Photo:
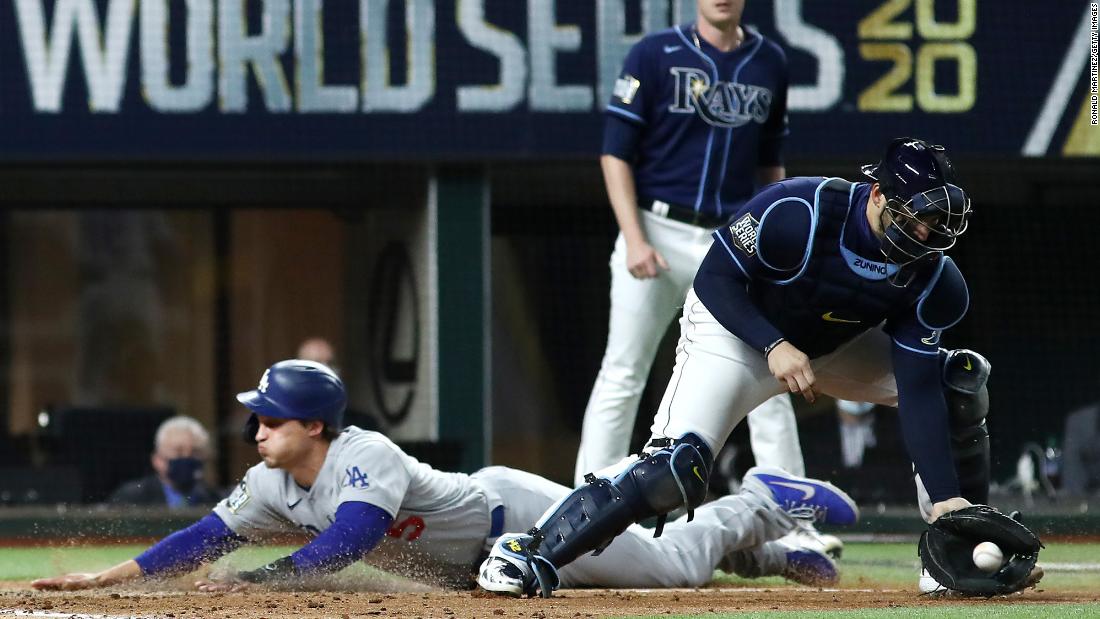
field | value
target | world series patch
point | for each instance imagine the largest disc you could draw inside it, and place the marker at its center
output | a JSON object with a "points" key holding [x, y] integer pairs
{"points": [[743, 232], [238, 499], [625, 88]]}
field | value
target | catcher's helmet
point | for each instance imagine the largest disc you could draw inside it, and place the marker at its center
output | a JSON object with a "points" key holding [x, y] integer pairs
{"points": [[297, 389], [922, 200]]}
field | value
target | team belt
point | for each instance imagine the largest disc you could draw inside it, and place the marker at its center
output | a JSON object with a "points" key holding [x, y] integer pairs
{"points": [[684, 214]]}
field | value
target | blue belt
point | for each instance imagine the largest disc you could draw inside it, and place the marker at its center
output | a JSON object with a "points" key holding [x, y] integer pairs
{"points": [[496, 521]]}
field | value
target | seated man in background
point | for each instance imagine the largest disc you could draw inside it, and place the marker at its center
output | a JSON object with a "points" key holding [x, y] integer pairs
{"points": [[179, 455], [320, 350], [357, 495]]}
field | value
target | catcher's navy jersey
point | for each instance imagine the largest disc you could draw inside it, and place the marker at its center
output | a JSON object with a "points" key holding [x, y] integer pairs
{"points": [[856, 291], [708, 117]]}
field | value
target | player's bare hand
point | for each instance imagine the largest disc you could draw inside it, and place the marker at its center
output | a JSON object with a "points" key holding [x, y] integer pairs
{"points": [[949, 505], [644, 261], [68, 582], [792, 368], [221, 586]]}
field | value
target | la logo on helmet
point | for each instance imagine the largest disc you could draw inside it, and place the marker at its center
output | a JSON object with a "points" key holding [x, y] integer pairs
{"points": [[263, 381]]}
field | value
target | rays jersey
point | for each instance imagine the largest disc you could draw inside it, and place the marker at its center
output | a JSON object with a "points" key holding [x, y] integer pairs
{"points": [[441, 520], [708, 117]]}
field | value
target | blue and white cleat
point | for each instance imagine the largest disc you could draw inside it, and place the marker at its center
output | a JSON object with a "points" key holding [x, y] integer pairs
{"points": [[806, 498], [513, 569], [808, 566]]}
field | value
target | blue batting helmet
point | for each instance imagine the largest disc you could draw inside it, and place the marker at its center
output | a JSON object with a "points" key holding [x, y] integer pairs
{"points": [[297, 389]]}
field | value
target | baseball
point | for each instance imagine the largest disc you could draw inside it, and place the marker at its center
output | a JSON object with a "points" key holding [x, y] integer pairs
{"points": [[988, 557]]}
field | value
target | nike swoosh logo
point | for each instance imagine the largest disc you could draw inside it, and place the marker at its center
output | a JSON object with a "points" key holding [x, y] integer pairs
{"points": [[671, 48], [967, 365], [807, 489], [294, 504], [828, 317], [695, 470]]}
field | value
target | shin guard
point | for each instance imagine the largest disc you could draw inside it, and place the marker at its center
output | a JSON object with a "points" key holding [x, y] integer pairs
{"points": [[673, 474]]}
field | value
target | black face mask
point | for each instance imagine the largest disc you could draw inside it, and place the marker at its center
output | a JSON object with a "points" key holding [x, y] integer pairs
{"points": [[184, 473]]}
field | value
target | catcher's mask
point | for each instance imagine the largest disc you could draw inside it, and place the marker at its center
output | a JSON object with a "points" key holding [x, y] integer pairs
{"points": [[925, 212]]}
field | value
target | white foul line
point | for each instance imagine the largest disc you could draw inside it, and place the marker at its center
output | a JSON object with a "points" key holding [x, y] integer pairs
{"points": [[1038, 141], [16, 612]]}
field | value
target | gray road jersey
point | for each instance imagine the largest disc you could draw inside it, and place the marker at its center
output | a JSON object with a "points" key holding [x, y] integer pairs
{"points": [[440, 521]]}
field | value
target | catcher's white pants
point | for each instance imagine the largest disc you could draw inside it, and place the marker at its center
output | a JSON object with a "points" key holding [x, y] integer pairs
{"points": [[718, 378], [641, 310], [685, 555]]}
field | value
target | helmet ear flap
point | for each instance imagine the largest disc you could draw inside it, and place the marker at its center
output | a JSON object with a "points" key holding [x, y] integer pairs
{"points": [[251, 427]]}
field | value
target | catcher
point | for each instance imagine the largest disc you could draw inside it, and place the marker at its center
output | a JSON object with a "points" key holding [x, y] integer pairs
{"points": [[819, 285], [358, 495]]}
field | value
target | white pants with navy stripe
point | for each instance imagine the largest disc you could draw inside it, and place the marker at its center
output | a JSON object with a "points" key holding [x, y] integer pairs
{"points": [[718, 378], [641, 310]]}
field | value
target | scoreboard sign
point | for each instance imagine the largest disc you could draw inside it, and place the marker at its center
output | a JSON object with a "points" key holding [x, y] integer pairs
{"points": [[482, 79]]}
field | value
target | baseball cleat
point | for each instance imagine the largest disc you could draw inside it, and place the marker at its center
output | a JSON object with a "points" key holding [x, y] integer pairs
{"points": [[805, 535], [809, 499], [511, 570], [504, 577], [809, 566], [932, 588]]}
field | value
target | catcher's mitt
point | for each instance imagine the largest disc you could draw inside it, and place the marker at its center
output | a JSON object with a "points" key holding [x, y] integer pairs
{"points": [[946, 551]]}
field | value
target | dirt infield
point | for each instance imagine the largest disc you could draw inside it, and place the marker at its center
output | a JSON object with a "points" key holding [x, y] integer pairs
{"points": [[452, 605]]}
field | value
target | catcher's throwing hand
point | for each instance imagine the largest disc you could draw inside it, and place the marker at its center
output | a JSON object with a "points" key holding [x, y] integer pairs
{"points": [[68, 582], [791, 367], [949, 505], [946, 551]]}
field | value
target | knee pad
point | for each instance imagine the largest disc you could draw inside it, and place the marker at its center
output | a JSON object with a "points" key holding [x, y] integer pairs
{"points": [[965, 374], [674, 473]]}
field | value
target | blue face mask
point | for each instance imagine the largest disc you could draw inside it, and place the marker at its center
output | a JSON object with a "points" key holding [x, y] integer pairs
{"points": [[184, 473]]}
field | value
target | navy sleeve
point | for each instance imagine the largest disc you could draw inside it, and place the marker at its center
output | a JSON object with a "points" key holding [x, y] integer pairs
{"points": [[775, 129], [620, 138], [722, 282], [357, 529], [924, 422], [908, 333], [629, 98], [723, 288], [185, 550]]}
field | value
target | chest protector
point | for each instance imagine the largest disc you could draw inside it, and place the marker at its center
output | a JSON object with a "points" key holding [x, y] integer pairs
{"points": [[825, 301]]}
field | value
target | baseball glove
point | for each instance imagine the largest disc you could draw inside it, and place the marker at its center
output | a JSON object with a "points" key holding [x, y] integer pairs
{"points": [[946, 551]]}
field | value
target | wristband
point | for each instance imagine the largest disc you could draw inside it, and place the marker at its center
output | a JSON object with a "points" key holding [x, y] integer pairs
{"points": [[770, 347], [281, 569]]}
